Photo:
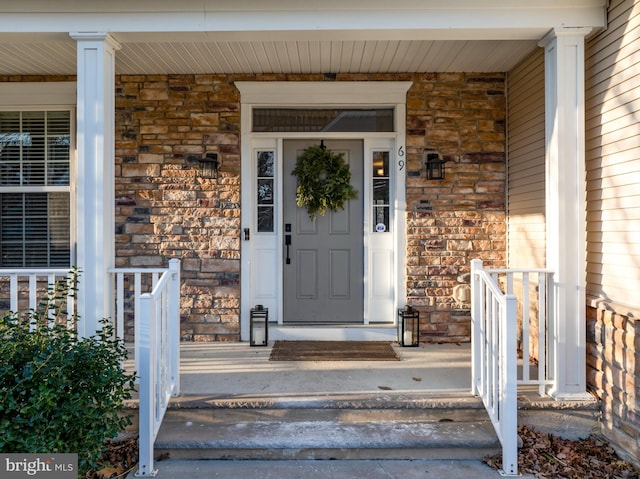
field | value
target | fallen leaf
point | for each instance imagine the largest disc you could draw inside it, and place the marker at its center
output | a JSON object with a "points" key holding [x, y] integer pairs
{"points": [[547, 456], [109, 472], [163, 457]]}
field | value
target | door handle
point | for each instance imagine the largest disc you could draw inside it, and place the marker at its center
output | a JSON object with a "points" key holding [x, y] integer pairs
{"points": [[287, 242]]}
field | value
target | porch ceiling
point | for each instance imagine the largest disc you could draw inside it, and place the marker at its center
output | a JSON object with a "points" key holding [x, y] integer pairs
{"points": [[287, 36], [330, 55]]}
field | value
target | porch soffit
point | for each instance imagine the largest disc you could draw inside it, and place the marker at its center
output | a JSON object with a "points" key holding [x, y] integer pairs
{"points": [[289, 36]]}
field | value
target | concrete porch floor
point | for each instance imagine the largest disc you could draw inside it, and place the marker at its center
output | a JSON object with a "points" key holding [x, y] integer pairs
{"points": [[237, 369], [234, 387]]}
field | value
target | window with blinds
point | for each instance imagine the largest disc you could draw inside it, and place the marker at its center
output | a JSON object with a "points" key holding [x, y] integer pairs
{"points": [[35, 207]]}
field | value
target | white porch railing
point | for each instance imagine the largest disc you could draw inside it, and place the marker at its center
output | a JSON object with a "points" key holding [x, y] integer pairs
{"points": [[534, 315], [156, 317], [494, 360], [26, 287], [130, 285], [509, 305], [157, 331]]}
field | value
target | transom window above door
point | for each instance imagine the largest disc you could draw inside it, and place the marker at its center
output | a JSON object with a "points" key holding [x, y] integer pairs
{"points": [[270, 120]]}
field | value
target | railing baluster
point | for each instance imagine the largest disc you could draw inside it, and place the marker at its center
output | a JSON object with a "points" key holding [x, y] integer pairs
{"points": [[71, 302], [542, 332], [476, 328], [33, 296], [144, 353], [50, 289], [174, 323], [509, 401], [494, 345], [485, 342], [137, 291], [525, 328], [13, 291], [120, 305], [509, 280]]}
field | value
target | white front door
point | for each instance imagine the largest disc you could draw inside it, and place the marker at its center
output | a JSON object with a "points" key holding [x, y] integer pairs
{"points": [[323, 264]]}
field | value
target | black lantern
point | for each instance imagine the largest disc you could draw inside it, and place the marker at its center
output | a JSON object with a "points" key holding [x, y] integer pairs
{"points": [[259, 326], [435, 166], [408, 327], [209, 165]]}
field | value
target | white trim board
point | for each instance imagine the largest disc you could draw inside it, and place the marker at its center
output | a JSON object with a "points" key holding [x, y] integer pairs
{"points": [[331, 333], [323, 93], [37, 94]]}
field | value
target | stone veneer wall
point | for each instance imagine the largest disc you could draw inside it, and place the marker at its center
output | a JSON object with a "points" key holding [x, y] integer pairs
{"points": [[613, 374], [460, 116], [164, 209]]}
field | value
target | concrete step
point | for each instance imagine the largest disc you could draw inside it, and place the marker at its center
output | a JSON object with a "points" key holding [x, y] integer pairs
{"points": [[390, 426], [331, 428], [348, 469]]}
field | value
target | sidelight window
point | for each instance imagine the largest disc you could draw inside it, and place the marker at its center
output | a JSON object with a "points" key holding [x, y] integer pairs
{"points": [[381, 194], [266, 191]]}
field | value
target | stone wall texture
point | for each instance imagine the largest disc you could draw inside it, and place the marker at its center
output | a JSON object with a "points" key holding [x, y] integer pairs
{"points": [[613, 374], [164, 209], [461, 117]]}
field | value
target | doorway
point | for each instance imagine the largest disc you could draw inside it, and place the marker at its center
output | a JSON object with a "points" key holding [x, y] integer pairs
{"points": [[365, 277]]}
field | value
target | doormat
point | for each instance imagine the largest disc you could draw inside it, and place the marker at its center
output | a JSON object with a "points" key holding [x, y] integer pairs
{"points": [[333, 351]]}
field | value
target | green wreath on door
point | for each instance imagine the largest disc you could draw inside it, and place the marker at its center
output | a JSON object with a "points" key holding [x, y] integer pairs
{"points": [[324, 181]]}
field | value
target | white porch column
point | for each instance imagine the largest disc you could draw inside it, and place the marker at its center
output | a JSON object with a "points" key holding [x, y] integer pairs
{"points": [[95, 177], [565, 206]]}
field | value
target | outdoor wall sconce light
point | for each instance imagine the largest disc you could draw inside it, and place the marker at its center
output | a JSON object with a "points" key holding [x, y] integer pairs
{"points": [[259, 326], [209, 165], [408, 327], [434, 165]]}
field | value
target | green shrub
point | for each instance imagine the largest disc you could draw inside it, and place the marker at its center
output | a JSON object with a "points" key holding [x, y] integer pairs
{"points": [[60, 393]]}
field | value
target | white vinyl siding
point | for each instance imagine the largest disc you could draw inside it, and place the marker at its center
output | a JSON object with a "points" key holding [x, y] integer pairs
{"points": [[526, 164], [613, 159]]}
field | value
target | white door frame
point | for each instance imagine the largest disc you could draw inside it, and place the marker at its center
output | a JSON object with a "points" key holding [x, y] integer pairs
{"points": [[314, 94]]}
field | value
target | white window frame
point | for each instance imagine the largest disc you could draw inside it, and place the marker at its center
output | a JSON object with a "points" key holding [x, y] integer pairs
{"points": [[47, 96]]}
